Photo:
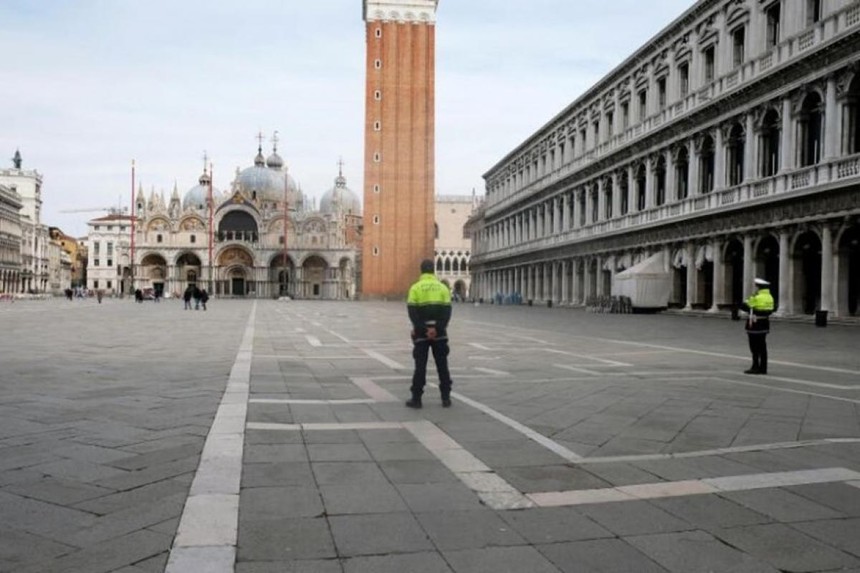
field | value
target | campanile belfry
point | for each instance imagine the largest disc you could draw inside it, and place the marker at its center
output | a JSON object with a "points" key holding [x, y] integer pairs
{"points": [[399, 187]]}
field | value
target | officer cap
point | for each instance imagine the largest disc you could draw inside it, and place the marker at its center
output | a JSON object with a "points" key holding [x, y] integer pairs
{"points": [[761, 282]]}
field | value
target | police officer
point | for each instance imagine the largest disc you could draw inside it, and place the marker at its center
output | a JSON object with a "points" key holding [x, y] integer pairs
{"points": [[759, 306], [429, 306]]}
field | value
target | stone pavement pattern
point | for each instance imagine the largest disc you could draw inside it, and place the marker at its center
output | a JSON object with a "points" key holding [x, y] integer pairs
{"points": [[577, 442]]}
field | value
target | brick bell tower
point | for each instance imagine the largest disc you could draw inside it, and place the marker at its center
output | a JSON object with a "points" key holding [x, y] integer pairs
{"points": [[399, 144]]}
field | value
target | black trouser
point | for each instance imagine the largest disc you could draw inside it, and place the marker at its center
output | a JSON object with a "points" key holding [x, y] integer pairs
{"points": [[420, 351], [758, 347]]}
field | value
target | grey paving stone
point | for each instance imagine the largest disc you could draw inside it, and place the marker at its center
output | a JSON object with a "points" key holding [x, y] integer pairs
{"points": [[106, 556], [710, 511], [619, 474], [781, 505], [506, 454], [786, 548], [78, 470], [499, 560], [285, 540], [310, 566], [455, 530], [279, 503], [696, 552], [633, 518], [41, 518], [338, 453], [140, 496], [417, 472], [398, 451], [273, 453], [556, 477], [58, 491], [127, 521], [361, 498], [438, 497], [348, 473], [599, 556], [838, 496], [338, 437], [553, 525], [20, 547], [255, 437], [135, 479], [155, 564], [378, 534], [412, 562], [159, 456], [277, 474], [843, 534]]}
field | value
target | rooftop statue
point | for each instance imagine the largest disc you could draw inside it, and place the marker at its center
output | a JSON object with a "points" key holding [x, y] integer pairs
{"points": [[16, 159]]}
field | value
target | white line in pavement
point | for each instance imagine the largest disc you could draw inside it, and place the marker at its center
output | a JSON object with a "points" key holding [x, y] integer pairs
{"points": [[567, 353], [722, 355], [296, 357], [789, 390], [525, 430], [313, 340], [808, 382], [493, 372], [209, 526], [720, 451], [332, 402], [384, 359], [480, 346], [575, 369], [692, 487], [374, 390]]}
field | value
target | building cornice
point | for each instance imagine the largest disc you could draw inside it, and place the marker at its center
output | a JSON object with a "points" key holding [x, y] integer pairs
{"points": [[414, 11]]}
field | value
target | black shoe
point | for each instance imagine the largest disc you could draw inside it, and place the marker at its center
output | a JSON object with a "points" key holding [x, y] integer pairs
{"points": [[446, 401], [414, 403], [752, 371], [762, 372]]}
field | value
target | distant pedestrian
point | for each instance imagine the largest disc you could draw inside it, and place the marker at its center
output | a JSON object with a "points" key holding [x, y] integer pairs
{"points": [[759, 306], [204, 298], [186, 296], [429, 306], [99, 295], [196, 294], [138, 295]]}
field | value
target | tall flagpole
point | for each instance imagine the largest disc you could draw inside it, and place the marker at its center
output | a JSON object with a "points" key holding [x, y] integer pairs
{"points": [[211, 207], [131, 262], [286, 211]]}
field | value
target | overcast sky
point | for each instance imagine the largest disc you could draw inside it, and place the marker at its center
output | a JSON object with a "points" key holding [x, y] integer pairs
{"points": [[88, 85]]}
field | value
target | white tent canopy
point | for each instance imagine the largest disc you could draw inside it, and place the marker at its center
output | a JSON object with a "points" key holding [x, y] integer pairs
{"points": [[647, 284]]}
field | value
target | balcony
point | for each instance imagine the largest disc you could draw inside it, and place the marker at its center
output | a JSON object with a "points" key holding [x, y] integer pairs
{"points": [[796, 181]]}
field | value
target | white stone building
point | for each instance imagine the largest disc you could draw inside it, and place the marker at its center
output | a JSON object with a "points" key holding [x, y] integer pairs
{"points": [[27, 184], [728, 147], [107, 244], [235, 244], [453, 245], [10, 241]]}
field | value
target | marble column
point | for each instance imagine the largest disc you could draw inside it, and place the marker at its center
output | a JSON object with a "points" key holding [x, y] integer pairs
{"points": [[719, 286], [692, 276], [786, 159], [785, 302], [826, 267], [748, 267], [719, 160], [565, 286], [831, 121]]}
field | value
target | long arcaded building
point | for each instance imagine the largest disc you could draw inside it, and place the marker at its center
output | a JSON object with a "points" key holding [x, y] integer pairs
{"points": [[727, 147]]}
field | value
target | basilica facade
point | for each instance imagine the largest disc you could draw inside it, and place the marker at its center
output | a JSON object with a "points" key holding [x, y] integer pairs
{"points": [[261, 238], [727, 148]]}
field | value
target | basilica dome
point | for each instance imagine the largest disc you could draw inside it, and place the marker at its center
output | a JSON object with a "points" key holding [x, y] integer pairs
{"points": [[197, 196], [349, 201], [264, 182]]}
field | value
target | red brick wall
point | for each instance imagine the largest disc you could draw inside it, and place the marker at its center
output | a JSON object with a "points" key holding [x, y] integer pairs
{"points": [[405, 142]]}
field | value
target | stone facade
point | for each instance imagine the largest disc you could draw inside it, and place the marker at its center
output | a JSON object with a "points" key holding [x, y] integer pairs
{"points": [[10, 241], [399, 183], [27, 183], [233, 243], [453, 244], [730, 144]]}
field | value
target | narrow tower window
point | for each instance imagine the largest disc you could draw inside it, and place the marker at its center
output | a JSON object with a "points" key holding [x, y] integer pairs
{"points": [[375, 251], [376, 188], [377, 126], [376, 157], [377, 95], [378, 32], [377, 64], [376, 219]]}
